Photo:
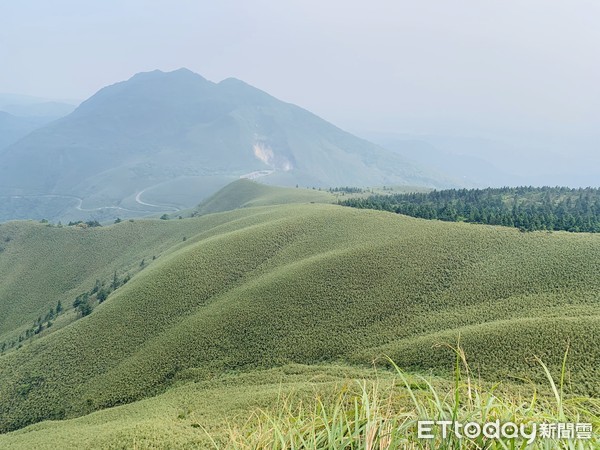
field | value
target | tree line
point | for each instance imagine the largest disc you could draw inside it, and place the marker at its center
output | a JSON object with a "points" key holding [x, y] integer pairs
{"points": [[527, 208]]}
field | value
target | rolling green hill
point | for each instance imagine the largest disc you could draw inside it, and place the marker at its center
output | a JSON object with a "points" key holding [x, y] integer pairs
{"points": [[263, 287], [245, 193], [42, 264]]}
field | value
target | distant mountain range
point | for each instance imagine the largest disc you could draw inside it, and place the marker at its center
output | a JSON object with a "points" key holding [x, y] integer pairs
{"points": [[29, 106], [162, 141], [21, 114]]}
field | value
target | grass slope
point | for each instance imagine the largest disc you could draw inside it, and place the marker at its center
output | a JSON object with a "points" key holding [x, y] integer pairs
{"points": [[299, 406], [261, 287], [174, 419], [40, 264], [245, 193]]}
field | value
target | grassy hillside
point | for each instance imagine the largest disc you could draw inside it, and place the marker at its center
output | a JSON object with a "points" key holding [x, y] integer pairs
{"points": [[42, 264], [262, 287], [245, 193], [175, 418], [299, 406]]}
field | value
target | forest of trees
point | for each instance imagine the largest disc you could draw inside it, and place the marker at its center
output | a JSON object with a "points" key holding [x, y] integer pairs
{"points": [[527, 208], [346, 189]]}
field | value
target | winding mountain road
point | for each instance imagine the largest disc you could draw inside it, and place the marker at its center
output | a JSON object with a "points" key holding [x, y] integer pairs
{"points": [[138, 199], [79, 205]]}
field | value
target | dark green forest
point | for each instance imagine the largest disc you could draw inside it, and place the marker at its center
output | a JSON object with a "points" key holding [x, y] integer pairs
{"points": [[526, 208]]}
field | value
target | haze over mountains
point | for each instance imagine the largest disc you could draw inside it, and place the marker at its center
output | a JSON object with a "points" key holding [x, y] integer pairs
{"points": [[28, 106], [163, 141], [547, 158], [13, 128], [21, 114], [160, 142]]}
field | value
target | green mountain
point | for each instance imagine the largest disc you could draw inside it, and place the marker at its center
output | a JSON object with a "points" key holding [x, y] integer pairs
{"points": [[163, 141], [263, 287]]}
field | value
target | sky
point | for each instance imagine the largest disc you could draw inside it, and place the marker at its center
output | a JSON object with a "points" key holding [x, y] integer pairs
{"points": [[509, 67]]}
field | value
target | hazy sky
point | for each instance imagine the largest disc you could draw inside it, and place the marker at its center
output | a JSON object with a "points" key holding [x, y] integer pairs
{"points": [[381, 65]]}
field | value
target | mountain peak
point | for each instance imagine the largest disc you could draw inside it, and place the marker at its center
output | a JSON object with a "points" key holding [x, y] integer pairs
{"points": [[181, 73], [148, 90], [232, 80]]}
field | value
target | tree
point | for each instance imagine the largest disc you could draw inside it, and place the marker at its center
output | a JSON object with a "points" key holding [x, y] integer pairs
{"points": [[102, 295], [50, 315], [115, 282], [97, 286], [85, 309], [82, 304]]}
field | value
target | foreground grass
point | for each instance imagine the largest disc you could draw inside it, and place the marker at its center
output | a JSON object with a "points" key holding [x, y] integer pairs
{"points": [[315, 407], [382, 415], [193, 414]]}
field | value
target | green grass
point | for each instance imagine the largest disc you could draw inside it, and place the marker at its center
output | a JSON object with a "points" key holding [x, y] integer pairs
{"points": [[320, 407], [245, 193], [263, 287], [382, 415], [40, 265], [189, 415]]}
